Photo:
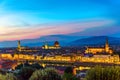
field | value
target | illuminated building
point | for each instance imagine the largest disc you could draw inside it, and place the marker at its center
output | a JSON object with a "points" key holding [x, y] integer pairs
{"points": [[67, 58], [95, 50], [22, 48], [55, 46], [19, 46]]}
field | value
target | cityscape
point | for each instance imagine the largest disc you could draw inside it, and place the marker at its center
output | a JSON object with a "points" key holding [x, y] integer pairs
{"points": [[59, 40]]}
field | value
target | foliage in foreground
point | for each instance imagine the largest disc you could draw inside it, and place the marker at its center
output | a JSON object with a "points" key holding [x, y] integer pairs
{"points": [[68, 74], [25, 73], [25, 70], [45, 74], [100, 73], [7, 76]]}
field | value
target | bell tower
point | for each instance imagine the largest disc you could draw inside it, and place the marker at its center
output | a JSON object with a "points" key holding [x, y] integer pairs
{"points": [[107, 45], [19, 46]]}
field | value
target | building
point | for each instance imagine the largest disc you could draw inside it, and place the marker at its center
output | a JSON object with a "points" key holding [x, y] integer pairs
{"points": [[20, 48], [95, 50], [76, 58], [55, 46], [25, 49]]}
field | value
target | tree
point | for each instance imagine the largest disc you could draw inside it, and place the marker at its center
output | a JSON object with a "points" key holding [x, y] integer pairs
{"points": [[10, 76], [2, 77], [68, 70], [36, 66], [2, 72], [26, 64], [100, 73], [46, 74], [7, 76], [25, 73], [68, 74], [19, 66], [52, 74]]}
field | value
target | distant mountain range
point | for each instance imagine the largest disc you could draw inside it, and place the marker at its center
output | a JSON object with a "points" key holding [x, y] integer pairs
{"points": [[50, 39], [65, 40], [94, 41]]}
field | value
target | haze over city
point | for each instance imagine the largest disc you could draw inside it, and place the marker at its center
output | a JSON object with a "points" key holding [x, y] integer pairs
{"points": [[36, 18]]}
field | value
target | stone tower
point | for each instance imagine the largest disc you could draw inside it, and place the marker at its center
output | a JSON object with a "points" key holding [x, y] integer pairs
{"points": [[107, 46], [19, 46]]}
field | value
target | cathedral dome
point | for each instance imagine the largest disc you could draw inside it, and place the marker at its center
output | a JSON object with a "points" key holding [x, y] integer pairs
{"points": [[56, 43]]}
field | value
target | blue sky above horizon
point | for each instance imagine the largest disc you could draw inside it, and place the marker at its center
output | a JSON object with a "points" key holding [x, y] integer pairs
{"points": [[24, 19]]}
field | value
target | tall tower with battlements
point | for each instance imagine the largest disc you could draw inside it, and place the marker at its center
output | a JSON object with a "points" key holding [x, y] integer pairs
{"points": [[19, 46], [107, 46]]}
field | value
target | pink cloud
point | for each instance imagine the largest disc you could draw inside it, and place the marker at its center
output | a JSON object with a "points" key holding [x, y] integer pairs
{"points": [[34, 31]]}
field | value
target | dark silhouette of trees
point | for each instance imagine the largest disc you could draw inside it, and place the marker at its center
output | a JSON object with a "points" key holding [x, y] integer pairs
{"points": [[36, 66], [25, 73], [26, 64], [68, 70], [68, 74], [25, 70]]}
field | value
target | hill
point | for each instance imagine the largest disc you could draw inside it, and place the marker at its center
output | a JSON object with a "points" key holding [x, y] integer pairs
{"points": [[96, 40], [63, 39]]}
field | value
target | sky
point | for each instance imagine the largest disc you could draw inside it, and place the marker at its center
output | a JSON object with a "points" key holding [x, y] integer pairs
{"points": [[28, 19]]}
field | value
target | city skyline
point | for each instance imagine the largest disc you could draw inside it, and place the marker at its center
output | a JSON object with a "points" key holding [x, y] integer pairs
{"points": [[23, 19]]}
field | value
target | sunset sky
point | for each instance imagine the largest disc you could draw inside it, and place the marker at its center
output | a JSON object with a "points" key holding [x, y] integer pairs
{"points": [[25, 19]]}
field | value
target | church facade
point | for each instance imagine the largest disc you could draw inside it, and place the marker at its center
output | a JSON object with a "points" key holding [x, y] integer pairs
{"points": [[95, 50]]}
